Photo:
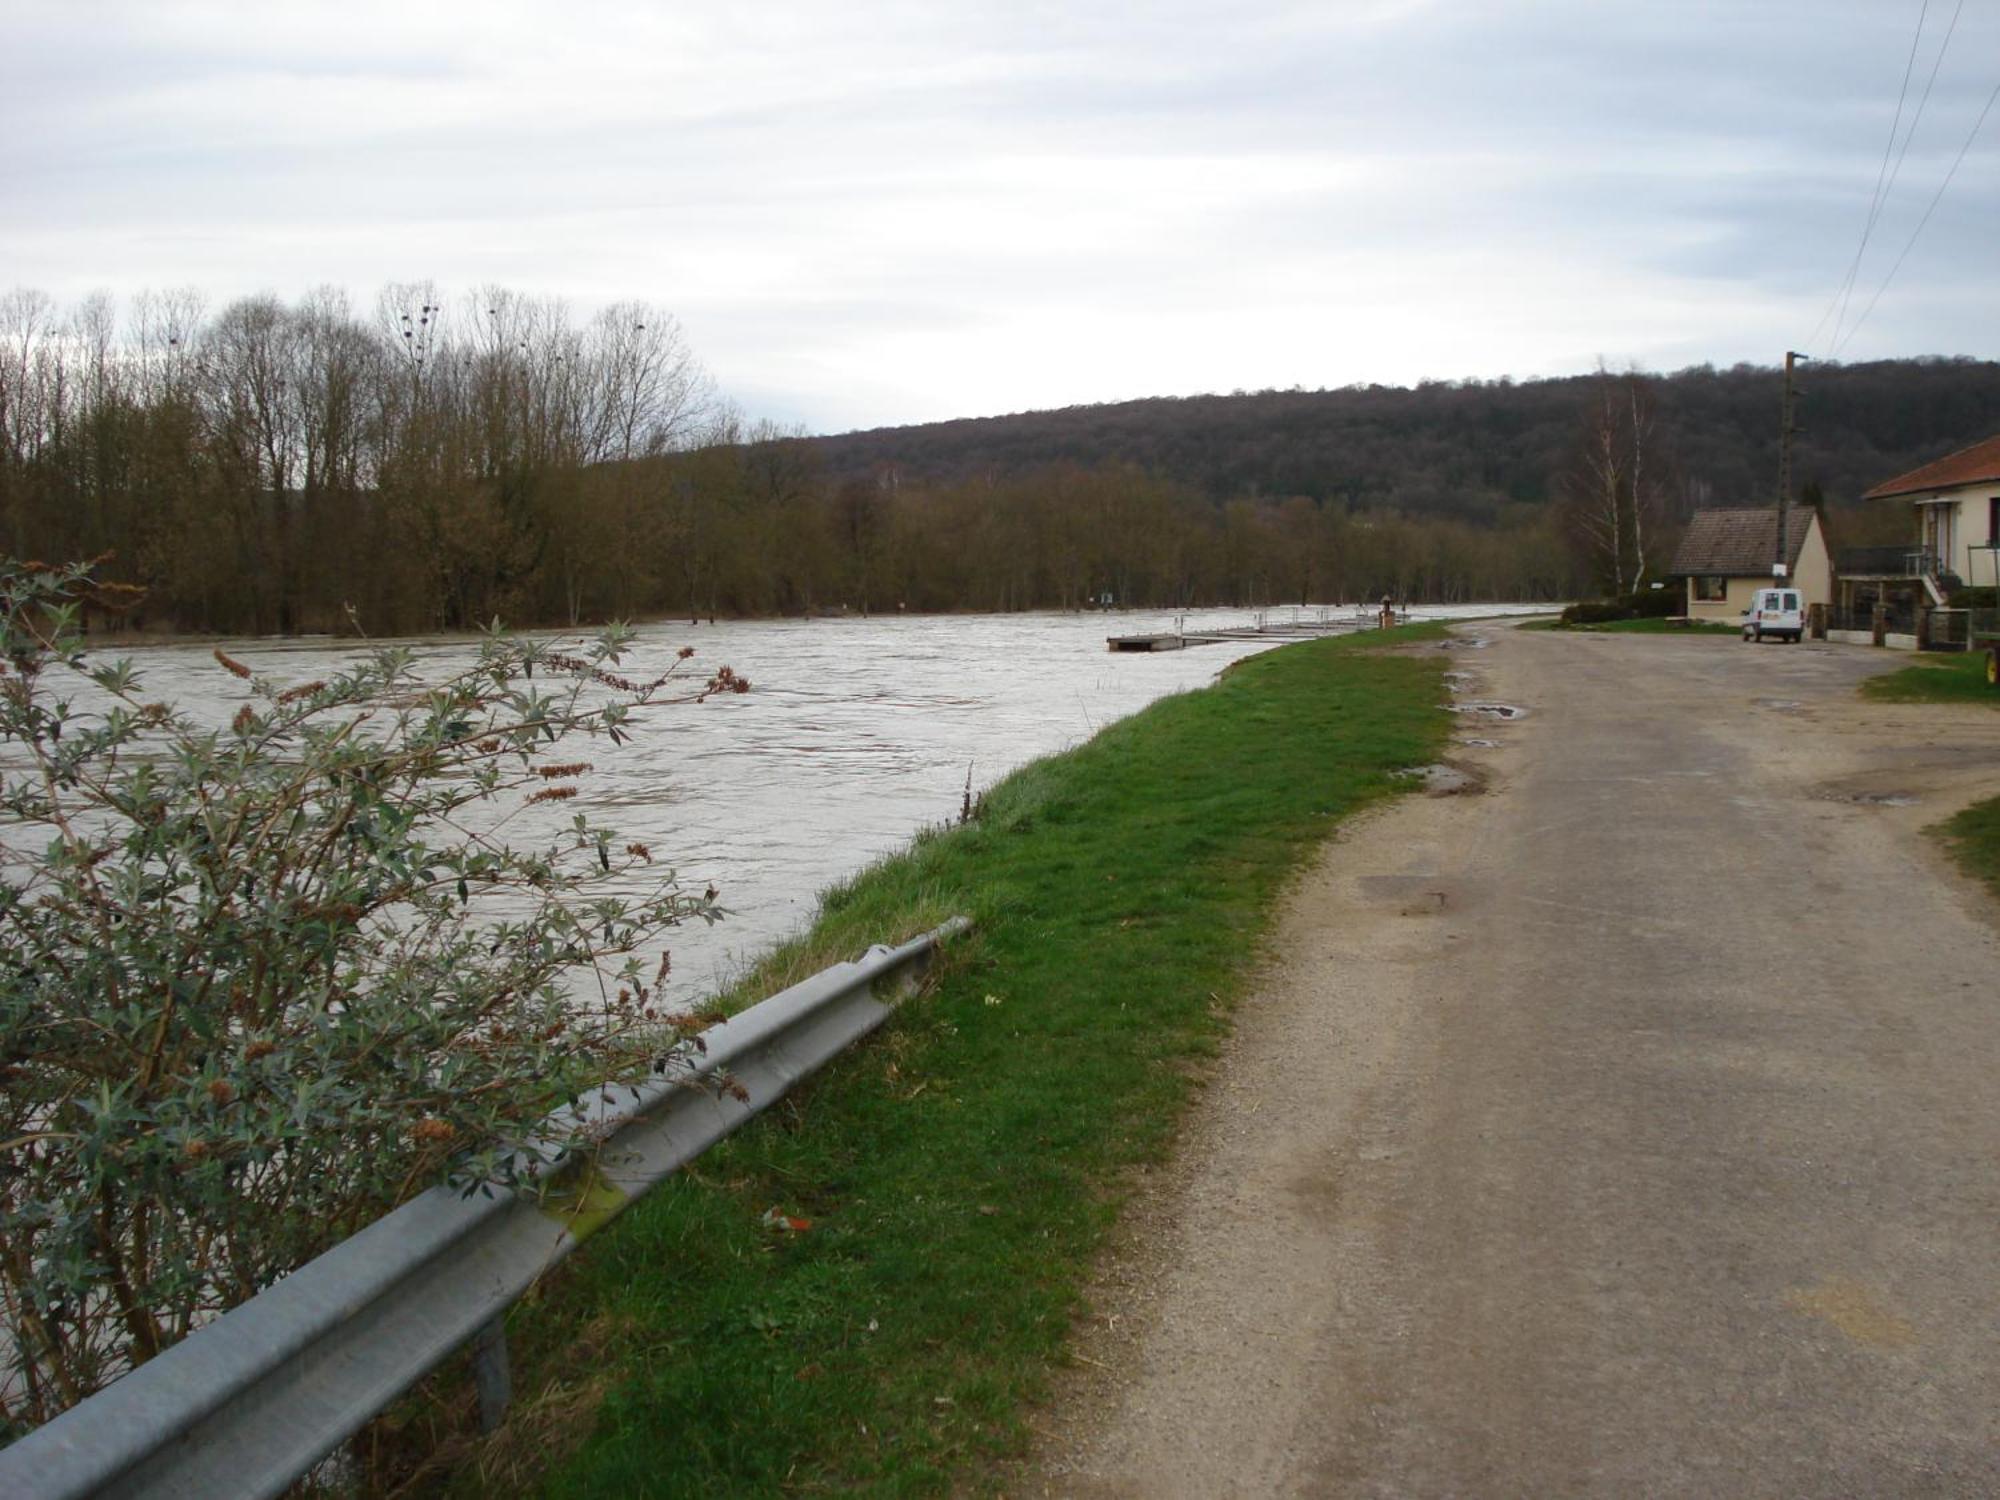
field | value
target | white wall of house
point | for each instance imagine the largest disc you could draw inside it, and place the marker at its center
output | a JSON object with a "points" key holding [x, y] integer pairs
{"points": [[1955, 521], [1815, 575]]}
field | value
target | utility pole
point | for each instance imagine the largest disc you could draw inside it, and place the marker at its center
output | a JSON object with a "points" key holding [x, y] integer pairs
{"points": [[1781, 559]]}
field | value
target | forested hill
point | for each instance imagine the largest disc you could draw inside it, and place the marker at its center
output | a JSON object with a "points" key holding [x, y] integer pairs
{"points": [[1467, 449]]}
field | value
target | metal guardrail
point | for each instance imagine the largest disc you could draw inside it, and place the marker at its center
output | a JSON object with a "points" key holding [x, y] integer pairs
{"points": [[247, 1404]]}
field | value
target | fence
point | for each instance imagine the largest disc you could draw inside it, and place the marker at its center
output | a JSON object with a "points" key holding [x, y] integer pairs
{"points": [[246, 1405], [1947, 629], [1886, 562], [1897, 619]]}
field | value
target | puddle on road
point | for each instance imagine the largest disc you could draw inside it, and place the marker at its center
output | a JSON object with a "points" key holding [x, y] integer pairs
{"points": [[1447, 781], [1781, 705], [1502, 711], [1477, 744], [1884, 799]]}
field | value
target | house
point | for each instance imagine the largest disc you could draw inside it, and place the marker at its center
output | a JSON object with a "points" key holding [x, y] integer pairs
{"points": [[1955, 522], [1727, 555]]}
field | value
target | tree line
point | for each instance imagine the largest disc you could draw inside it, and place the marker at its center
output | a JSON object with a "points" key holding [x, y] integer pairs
{"points": [[433, 464], [281, 467]]}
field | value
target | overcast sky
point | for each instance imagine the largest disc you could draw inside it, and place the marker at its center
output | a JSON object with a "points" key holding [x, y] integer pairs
{"points": [[874, 213]]}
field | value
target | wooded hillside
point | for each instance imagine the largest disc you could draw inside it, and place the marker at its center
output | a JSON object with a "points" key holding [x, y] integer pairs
{"points": [[1467, 450]]}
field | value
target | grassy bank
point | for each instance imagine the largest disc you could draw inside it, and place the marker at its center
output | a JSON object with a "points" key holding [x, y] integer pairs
{"points": [[1936, 679], [955, 1175], [1974, 836]]}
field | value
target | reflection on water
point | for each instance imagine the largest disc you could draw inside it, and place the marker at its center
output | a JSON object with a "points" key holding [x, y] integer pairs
{"points": [[857, 732]]}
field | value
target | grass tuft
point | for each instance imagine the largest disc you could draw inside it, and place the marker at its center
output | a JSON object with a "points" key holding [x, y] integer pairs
{"points": [[1974, 837]]}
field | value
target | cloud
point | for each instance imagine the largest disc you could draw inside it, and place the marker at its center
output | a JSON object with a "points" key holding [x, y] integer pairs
{"points": [[891, 212]]}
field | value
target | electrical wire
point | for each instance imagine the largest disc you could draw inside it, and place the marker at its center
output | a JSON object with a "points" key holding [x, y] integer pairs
{"points": [[1881, 176], [1957, 161], [1908, 136]]}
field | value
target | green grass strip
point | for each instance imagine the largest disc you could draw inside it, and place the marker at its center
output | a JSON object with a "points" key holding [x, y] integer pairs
{"points": [[959, 1171], [1974, 837], [1937, 679]]}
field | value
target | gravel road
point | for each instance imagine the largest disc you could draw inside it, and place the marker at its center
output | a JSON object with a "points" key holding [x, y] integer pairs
{"points": [[1629, 1127]]}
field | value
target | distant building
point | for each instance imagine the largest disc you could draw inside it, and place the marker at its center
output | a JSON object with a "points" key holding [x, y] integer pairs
{"points": [[1726, 555]]}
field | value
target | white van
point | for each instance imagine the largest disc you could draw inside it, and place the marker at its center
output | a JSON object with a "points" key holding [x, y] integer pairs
{"points": [[1774, 612]]}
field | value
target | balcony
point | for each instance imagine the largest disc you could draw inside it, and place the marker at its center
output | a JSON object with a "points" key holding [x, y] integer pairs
{"points": [[1887, 562]]}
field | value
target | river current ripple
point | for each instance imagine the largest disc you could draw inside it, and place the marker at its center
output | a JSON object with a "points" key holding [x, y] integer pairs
{"points": [[856, 734]]}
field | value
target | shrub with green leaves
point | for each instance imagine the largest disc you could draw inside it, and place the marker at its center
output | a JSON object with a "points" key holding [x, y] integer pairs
{"points": [[260, 983]]}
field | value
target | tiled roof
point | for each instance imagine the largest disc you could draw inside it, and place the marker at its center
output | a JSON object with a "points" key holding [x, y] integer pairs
{"points": [[1738, 543], [1971, 465]]}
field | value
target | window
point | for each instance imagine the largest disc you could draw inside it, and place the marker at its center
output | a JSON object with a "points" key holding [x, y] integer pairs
{"points": [[1711, 590]]}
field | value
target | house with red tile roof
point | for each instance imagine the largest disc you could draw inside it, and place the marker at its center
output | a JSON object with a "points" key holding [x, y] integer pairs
{"points": [[1957, 504], [1906, 590]]}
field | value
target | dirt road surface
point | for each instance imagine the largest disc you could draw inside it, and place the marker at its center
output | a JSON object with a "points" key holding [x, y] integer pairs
{"points": [[1629, 1128]]}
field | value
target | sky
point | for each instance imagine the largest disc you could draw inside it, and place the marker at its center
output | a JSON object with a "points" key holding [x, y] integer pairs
{"points": [[877, 213]]}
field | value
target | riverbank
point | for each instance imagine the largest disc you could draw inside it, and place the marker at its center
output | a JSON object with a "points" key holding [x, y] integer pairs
{"points": [[867, 1287]]}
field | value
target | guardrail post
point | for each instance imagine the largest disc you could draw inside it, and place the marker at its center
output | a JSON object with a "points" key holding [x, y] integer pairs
{"points": [[490, 1374]]}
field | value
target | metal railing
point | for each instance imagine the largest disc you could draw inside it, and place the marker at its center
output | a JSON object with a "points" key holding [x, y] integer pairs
{"points": [[249, 1403], [1886, 562]]}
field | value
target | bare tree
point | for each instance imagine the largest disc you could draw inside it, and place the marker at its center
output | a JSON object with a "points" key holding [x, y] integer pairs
{"points": [[1594, 488], [648, 394], [1644, 488], [1616, 490]]}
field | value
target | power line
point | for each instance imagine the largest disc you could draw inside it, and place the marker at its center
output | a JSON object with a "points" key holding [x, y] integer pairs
{"points": [[1908, 136], [1881, 175], [1970, 137]]}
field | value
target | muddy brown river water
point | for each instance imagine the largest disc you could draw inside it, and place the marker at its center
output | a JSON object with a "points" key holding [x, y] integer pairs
{"points": [[857, 733]]}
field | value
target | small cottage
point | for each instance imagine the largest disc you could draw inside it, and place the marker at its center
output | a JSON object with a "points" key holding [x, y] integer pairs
{"points": [[1727, 555]]}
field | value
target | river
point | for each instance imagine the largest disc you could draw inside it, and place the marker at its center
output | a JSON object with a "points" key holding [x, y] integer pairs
{"points": [[856, 733]]}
